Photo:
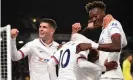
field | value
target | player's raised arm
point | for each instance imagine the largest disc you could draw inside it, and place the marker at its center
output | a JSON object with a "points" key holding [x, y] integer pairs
{"points": [[76, 27], [80, 37], [16, 54]]}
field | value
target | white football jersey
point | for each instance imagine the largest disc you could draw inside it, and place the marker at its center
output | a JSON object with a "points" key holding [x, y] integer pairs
{"points": [[93, 71], [70, 68], [35, 50], [105, 37], [66, 58]]}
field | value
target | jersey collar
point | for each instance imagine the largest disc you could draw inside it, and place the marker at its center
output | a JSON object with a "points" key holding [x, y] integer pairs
{"points": [[48, 45]]}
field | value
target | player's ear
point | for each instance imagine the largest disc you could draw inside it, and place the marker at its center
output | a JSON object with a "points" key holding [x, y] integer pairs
{"points": [[52, 30]]}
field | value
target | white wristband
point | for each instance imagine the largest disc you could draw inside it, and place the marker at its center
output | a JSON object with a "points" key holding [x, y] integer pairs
{"points": [[95, 45]]}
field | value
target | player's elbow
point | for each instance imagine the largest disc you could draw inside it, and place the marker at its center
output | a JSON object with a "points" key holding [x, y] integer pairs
{"points": [[16, 57]]}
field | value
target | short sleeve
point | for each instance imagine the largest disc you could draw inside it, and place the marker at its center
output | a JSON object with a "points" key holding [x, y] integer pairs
{"points": [[56, 56], [114, 28]]}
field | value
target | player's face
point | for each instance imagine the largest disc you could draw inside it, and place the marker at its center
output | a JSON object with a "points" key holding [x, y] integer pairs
{"points": [[96, 15], [45, 31], [130, 58]]}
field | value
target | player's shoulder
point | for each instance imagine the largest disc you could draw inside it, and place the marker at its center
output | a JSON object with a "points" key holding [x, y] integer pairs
{"points": [[115, 23], [30, 43], [55, 43]]}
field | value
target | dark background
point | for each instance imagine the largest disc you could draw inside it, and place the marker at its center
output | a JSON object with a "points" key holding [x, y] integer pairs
{"points": [[20, 13], [64, 12]]}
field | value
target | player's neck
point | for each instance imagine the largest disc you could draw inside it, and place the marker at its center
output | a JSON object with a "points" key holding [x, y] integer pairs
{"points": [[48, 41]]}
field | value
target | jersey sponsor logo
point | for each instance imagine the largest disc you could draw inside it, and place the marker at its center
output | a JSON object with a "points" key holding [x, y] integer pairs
{"points": [[43, 60]]}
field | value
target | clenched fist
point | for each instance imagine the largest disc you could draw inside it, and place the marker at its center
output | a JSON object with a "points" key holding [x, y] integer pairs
{"points": [[76, 27], [14, 33]]}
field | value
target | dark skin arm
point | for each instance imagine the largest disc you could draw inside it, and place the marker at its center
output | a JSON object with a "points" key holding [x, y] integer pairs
{"points": [[115, 46], [84, 46]]}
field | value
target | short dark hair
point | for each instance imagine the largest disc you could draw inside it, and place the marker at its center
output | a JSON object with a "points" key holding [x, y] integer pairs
{"points": [[95, 4], [49, 21]]}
